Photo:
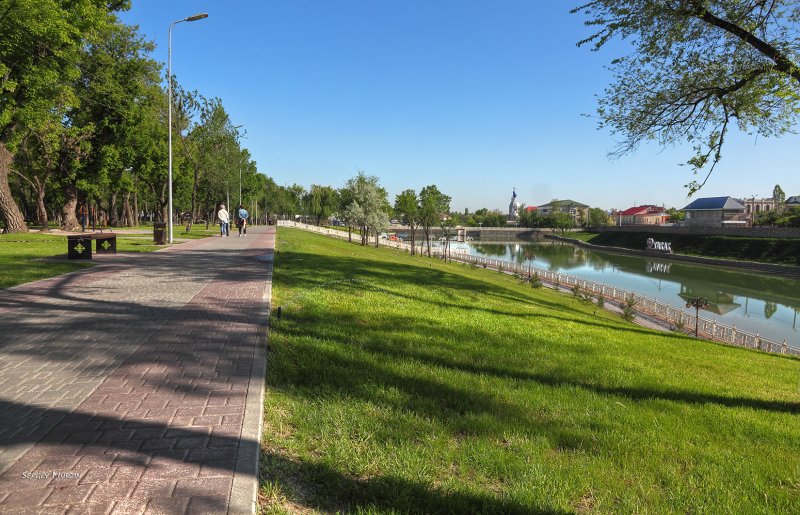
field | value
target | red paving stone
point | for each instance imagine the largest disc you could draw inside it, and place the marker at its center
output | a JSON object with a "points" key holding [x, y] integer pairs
{"points": [[159, 430]]}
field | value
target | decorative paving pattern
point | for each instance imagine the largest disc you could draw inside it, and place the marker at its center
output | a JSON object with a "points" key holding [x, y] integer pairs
{"points": [[126, 387]]}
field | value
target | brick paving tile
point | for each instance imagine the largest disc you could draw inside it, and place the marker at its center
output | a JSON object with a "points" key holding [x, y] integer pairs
{"points": [[206, 504], [168, 506], [130, 507], [26, 498], [148, 488], [112, 491], [92, 508], [69, 495], [125, 386]]}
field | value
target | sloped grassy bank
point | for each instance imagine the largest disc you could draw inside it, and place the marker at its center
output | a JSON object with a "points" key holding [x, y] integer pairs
{"points": [[784, 251], [400, 384]]}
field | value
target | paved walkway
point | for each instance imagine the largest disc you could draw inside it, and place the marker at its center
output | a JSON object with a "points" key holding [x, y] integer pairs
{"points": [[136, 386]]}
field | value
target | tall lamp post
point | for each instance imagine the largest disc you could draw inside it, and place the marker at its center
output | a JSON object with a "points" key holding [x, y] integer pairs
{"points": [[169, 115], [697, 303]]}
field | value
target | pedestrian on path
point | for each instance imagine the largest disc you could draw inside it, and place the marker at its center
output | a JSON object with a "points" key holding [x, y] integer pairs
{"points": [[241, 219], [82, 213], [224, 221]]}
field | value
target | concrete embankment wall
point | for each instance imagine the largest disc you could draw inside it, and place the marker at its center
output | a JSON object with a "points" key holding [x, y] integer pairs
{"points": [[484, 233], [744, 232], [784, 270]]}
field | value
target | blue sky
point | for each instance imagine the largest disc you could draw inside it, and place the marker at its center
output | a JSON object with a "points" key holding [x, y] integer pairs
{"points": [[475, 96]]}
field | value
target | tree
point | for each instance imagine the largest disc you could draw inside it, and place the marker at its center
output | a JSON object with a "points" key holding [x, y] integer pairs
{"points": [[368, 206], [321, 202], [432, 205], [562, 221], [779, 197], [113, 88], [39, 52], [407, 205], [675, 215], [598, 217], [698, 68]]}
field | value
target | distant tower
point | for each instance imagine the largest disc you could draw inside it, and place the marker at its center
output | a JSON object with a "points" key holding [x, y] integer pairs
{"points": [[513, 207]]}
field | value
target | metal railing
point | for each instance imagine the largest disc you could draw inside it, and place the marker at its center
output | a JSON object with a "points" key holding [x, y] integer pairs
{"points": [[672, 316]]}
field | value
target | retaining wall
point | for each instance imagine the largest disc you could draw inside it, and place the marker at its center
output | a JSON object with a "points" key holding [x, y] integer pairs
{"points": [[744, 232]]}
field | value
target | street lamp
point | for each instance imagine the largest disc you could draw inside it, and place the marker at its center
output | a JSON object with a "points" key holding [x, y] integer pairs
{"points": [[697, 303], [169, 115], [239, 165]]}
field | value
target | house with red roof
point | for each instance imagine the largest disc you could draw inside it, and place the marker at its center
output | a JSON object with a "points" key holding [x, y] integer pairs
{"points": [[642, 215]]}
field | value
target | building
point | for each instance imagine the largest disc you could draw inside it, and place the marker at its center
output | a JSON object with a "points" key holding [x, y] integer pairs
{"points": [[579, 212], [715, 212], [760, 205], [643, 215], [793, 201]]}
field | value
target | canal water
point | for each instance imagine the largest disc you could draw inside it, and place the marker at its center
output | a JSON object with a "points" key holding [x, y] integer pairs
{"points": [[768, 305]]}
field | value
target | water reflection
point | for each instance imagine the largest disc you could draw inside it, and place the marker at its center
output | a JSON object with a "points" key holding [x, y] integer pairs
{"points": [[753, 302]]}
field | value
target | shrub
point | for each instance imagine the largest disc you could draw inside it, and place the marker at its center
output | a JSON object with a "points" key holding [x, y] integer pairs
{"points": [[601, 301], [628, 309], [536, 281]]}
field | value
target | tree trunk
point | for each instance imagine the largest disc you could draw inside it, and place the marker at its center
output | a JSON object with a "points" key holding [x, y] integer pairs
{"points": [[9, 211], [41, 209], [136, 206], [413, 239], [195, 183], [69, 219], [112, 210], [127, 212], [426, 231]]}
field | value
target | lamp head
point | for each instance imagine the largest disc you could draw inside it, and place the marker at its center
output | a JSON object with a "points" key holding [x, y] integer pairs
{"points": [[197, 17]]}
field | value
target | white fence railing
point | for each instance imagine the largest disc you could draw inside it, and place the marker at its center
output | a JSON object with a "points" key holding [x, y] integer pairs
{"points": [[670, 315]]}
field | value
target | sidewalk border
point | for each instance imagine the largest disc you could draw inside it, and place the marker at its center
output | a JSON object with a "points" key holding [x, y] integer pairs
{"points": [[244, 489]]}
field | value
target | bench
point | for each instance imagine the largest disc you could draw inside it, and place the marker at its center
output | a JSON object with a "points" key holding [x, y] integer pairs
{"points": [[79, 246]]}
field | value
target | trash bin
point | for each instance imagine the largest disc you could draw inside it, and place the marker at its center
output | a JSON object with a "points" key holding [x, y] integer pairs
{"points": [[160, 233]]}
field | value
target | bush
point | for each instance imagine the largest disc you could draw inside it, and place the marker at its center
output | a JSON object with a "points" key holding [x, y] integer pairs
{"points": [[536, 281], [628, 309], [601, 301]]}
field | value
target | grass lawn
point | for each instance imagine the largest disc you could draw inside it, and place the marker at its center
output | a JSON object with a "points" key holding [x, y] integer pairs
{"points": [[21, 254], [404, 384], [578, 235]]}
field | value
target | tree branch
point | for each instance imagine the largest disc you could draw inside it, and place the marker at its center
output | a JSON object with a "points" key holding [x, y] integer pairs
{"points": [[782, 62]]}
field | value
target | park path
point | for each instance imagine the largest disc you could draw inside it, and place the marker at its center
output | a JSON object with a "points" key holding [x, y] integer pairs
{"points": [[136, 386]]}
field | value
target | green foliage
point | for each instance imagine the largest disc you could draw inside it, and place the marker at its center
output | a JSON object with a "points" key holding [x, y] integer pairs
{"points": [[536, 281], [779, 218], [368, 206], [321, 202], [484, 218], [696, 70], [601, 301], [629, 308], [433, 204], [599, 218]]}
